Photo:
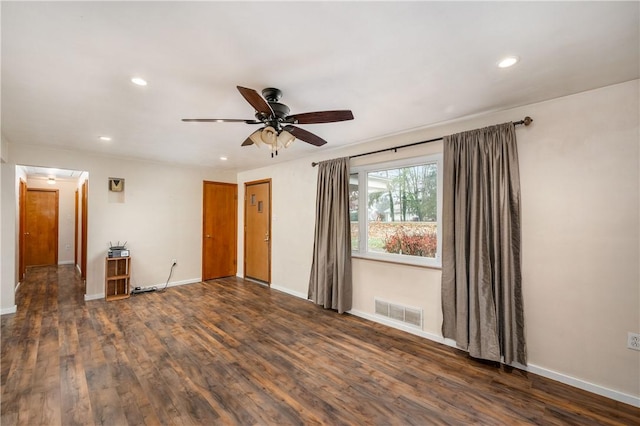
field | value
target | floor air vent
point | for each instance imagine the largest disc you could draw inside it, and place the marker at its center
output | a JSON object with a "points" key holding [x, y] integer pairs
{"points": [[406, 314]]}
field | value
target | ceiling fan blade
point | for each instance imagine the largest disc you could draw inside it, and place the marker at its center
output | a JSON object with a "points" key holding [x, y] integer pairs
{"points": [[321, 117], [220, 120], [256, 101], [304, 135]]}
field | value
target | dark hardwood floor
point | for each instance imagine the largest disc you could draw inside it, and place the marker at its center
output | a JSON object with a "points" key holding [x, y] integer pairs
{"points": [[234, 352]]}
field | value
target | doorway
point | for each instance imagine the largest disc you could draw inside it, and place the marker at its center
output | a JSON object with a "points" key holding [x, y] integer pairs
{"points": [[71, 246], [257, 231], [219, 230]]}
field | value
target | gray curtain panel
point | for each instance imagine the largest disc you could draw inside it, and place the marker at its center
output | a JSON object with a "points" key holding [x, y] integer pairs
{"points": [[330, 280], [481, 269]]}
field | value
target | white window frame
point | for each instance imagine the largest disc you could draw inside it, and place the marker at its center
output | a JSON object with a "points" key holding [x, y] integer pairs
{"points": [[363, 219]]}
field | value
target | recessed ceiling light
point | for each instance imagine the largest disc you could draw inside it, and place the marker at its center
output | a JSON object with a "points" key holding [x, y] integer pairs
{"points": [[104, 138], [139, 81], [224, 158], [508, 61]]}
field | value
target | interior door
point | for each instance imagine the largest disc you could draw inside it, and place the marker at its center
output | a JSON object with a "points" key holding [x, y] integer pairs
{"points": [[41, 227], [219, 230], [257, 231]]}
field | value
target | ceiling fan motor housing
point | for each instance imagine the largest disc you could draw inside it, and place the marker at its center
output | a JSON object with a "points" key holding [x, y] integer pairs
{"points": [[271, 94], [280, 111]]}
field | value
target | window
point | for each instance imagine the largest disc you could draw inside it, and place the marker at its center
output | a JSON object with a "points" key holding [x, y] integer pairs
{"points": [[398, 217]]}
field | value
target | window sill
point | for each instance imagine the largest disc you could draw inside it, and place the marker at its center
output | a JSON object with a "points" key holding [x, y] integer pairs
{"points": [[407, 262]]}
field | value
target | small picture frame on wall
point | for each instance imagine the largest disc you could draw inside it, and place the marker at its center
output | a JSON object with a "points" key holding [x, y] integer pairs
{"points": [[116, 184]]}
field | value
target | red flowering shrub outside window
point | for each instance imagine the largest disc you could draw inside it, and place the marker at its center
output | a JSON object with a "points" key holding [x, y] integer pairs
{"points": [[423, 243]]}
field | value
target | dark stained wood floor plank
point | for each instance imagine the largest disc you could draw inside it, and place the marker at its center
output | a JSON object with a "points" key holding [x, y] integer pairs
{"points": [[233, 352]]}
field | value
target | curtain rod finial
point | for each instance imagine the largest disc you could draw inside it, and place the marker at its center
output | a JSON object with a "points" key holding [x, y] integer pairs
{"points": [[527, 120], [314, 164]]}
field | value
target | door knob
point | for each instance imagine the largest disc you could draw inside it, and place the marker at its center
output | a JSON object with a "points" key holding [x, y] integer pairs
{"points": [[207, 236]]}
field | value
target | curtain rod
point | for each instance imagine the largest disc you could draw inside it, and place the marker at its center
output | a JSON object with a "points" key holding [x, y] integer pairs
{"points": [[526, 121]]}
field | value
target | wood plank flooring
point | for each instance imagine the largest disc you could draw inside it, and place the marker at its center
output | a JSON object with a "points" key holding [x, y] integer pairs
{"points": [[229, 352]]}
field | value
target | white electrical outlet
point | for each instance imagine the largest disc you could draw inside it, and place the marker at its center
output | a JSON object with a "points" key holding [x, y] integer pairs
{"points": [[633, 341]]}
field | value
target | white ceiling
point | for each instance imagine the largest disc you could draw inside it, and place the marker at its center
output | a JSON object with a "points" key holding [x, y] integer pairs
{"points": [[66, 68]]}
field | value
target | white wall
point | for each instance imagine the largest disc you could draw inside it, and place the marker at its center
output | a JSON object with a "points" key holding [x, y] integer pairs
{"points": [[161, 216], [292, 205], [580, 218], [8, 238], [66, 214], [21, 175]]}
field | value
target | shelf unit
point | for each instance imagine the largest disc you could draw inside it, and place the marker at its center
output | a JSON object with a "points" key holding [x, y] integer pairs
{"points": [[117, 278]]}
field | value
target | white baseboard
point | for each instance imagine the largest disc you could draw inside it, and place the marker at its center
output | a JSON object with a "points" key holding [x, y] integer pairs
{"points": [[66, 262], [532, 368], [289, 291], [584, 385], [400, 326], [186, 282], [88, 297], [174, 283], [11, 310], [15, 290], [97, 296]]}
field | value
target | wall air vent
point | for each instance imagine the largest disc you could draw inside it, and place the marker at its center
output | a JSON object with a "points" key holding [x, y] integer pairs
{"points": [[394, 311]]}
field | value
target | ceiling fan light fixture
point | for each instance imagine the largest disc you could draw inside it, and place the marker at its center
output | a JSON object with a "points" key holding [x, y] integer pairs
{"points": [[255, 138], [269, 136], [285, 139]]}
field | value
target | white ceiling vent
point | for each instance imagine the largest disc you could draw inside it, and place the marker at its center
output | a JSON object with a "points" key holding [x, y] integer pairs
{"points": [[394, 311]]}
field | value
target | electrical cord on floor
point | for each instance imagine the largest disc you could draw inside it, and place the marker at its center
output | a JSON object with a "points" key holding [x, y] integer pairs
{"points": [[169, 277]]}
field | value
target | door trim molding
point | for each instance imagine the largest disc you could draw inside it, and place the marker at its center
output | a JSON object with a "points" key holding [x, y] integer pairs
{"points": [[84, 226], [22, 218], [244, 228]]}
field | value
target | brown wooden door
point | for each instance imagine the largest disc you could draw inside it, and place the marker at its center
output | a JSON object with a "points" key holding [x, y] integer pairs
{"points": [[41, 227], [219, 230], [257, 231]]}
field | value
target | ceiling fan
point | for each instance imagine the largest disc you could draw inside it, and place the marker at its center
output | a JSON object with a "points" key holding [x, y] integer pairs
{"points": [[279, 130]]}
